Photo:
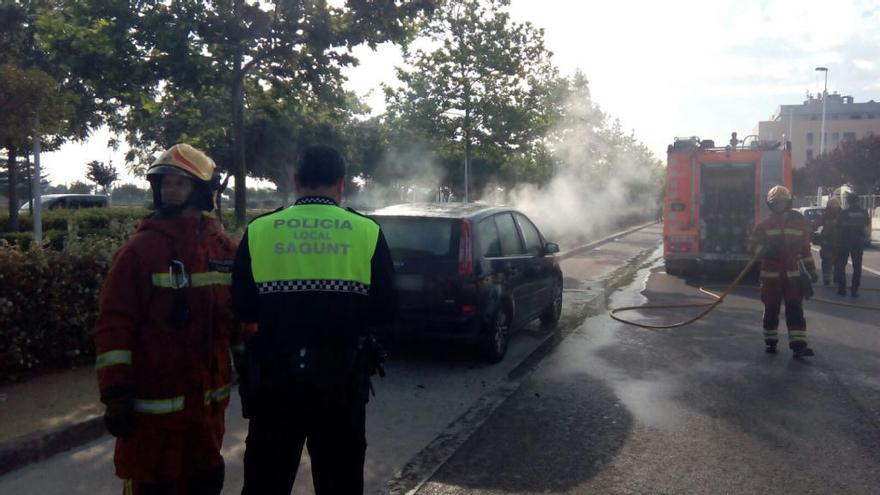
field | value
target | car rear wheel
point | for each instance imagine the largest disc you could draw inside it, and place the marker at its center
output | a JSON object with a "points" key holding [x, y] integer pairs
{"points": [[497, 335], [550, 316]]}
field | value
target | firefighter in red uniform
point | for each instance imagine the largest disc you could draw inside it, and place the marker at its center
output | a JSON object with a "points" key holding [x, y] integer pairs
{"points": [[163, 336], [782, 242]]}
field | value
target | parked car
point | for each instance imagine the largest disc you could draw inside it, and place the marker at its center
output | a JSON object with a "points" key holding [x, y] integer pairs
{"points": [[72, 201], [813, 214], [470, 271]]}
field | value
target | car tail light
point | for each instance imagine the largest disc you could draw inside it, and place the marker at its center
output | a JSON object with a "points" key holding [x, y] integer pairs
{"points": [[465, 251], [468, 308]]}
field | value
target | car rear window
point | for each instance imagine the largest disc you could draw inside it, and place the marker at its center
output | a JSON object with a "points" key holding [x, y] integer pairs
{"points": [[417, 237]]}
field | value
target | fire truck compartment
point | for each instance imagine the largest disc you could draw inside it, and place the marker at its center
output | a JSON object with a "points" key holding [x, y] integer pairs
{"points": [[727, 209]]}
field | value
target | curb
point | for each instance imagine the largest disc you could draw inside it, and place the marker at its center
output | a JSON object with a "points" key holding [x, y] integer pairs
{"points": [[425, 464], [40, 445], [610, 238]]}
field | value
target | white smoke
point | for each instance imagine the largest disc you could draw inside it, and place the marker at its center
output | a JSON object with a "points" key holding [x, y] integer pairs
{"points": [[602, 179], [403, 176]]}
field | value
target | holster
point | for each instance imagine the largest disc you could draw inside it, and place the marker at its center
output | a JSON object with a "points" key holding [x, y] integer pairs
{"points": [[369, 361], [249, 377]]}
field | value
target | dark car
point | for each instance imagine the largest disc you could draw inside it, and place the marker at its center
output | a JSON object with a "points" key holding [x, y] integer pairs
{"points": [[813, 214], [470, 271]]}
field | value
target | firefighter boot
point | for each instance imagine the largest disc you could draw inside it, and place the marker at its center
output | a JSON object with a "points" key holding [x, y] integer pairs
{"points": [[771, 346], [802, 352]]}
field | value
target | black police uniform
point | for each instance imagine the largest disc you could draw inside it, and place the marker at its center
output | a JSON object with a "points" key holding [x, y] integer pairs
{"points": [[851, 229], [305, 376]]}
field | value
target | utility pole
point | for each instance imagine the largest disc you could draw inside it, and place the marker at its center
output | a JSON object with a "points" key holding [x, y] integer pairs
{"points": [[824, 98], [35, 181]]}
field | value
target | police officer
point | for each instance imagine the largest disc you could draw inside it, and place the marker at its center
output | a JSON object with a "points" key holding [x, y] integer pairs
{"points": [[852, 227], [782, 242], [315, 277]]}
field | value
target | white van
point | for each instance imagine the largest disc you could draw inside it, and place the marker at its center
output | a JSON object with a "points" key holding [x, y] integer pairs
{"points": [[70, 201]]}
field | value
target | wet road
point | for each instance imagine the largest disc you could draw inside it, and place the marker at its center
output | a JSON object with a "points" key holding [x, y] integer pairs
{"points": [[700, 409]]}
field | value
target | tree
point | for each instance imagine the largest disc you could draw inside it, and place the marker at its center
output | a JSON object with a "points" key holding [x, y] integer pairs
{"points": [[278, 129], [478, 94], [36, 96], [220, 53], [78, 187], [24, 184], [854, 162], [130, 194], [102, 175]]}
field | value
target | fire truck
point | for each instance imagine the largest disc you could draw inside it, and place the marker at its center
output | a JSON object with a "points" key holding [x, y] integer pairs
{"points": [[714, 197]]}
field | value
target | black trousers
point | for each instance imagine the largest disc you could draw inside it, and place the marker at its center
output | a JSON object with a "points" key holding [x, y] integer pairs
{"points": [[332, 430], [841, 258], [202, 483]]}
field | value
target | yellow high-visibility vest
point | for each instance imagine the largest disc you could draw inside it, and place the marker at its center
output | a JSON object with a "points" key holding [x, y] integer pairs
{"points": [[312, 247]]}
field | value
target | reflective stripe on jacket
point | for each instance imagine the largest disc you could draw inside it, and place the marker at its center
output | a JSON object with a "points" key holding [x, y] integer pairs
{"points": [[784, 240]]}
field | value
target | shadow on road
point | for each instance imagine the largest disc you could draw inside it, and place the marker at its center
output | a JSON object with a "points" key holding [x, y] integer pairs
{"points": [[551, 438]]}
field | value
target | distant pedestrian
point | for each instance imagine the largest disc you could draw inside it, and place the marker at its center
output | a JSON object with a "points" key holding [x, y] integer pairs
{"points": [[163, 336], [851, 234], [782, 242]]}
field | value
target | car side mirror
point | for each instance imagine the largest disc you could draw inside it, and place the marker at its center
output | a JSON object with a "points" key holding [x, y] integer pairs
{"points": [[551, 248]]}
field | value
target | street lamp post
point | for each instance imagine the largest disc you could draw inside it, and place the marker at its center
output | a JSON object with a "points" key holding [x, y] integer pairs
{"points": [[824, 97]]}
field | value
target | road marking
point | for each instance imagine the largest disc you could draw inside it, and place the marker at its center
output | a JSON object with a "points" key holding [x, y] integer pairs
{"points": [[864, 268]]}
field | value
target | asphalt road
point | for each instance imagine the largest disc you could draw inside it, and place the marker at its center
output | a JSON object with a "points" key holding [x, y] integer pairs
{"points": [[700, 409], [432, 392]]}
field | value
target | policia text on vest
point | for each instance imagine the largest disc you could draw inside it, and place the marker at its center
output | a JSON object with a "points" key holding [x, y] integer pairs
{"points": [[318, 230]]}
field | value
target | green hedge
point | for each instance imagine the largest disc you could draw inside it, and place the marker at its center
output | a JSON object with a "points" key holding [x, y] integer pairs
{"points": [[49, 293], [87, 218], [48, 304]]}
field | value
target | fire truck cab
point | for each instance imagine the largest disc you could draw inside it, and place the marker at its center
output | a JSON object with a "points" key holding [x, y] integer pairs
{"points": [[714, 197]]}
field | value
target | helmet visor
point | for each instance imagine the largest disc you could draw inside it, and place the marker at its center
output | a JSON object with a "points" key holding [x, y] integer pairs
{"points": [[168, 170]]}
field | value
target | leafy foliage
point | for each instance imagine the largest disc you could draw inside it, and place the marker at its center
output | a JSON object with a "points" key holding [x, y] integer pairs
{"points": [[479, 95], [103, 175], [79, 187], [49, 301], [853, 162], [189, 69]]}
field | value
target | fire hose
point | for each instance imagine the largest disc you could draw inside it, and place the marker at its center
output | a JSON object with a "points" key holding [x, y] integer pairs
{"points": [[710, 306]]}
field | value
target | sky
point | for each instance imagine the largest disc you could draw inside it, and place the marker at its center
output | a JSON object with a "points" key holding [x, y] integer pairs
{"points": [[665, 69]]}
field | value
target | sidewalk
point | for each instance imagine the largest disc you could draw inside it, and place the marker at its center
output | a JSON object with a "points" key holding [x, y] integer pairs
{"points": [[48, 414], [57, 411]]}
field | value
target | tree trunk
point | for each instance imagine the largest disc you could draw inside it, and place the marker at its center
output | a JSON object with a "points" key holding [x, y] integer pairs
{"points": [[467, 143], [238, 163], [12, 167], [30, 184]]}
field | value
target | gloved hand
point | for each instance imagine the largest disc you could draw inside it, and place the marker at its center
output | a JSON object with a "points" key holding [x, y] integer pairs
{"points": [[119, 417], [814, 277]]}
